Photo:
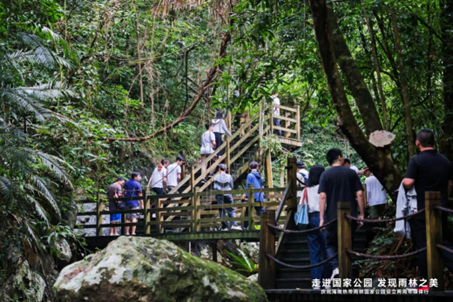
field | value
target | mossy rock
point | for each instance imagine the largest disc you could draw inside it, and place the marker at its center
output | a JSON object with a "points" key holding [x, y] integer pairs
{"points": [[147, 269]]}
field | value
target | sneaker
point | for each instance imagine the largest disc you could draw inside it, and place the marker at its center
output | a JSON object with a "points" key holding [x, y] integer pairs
{"points": [[224, 229], [245, 228], [236, 227]]}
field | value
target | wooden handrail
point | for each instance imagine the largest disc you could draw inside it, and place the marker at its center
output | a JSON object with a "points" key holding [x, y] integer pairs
{"points": [[216, 152], [284, 108], [282, 202]]}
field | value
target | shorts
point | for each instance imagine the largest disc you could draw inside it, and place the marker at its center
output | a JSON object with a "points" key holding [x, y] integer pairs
{"points": [[115, 218], [377, 211], [130, 216]]}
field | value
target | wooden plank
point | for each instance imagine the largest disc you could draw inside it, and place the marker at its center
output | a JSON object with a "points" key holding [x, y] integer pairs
{"points": [[98, 219], [288, 119], [147, 214], [287, 124], [292, 178], [254, 140], [178, 201], [344, 239], [93, 226], [202, 220], [170, 209], [284, 108], [268, 169], [176, 213], [239, 142], [290, 141], [249, 235], [298, 122], [434, 237], [282, 203], [250, 203], [266, 267], [227, 153], [158, 216], [196, 212], [285, 129]]}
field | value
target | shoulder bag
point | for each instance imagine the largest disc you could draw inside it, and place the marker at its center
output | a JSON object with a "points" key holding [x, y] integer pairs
{"points": [[301, 216]]}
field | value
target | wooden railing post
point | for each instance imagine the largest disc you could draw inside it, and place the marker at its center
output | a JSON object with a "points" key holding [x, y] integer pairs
{"points": [[292, 179], [282, 177], [266, 267], [195, 211], [146, 215], [159, 215], [123, 221], [192, 179], [270, 181], [251, 201], [344, 239], [287, 125], [271, 120], [98, 218], [227, 153], [434, 237], [298, 122]]}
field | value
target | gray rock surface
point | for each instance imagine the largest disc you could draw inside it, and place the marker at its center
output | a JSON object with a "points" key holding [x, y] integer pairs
{"points": [[147, 269]]}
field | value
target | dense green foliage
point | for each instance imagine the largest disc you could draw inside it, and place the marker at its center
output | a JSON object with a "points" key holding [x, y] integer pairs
{"points": [[75, 73]]}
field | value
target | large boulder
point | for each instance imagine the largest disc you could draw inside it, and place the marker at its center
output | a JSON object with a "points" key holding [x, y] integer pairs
{"points": [[147, 269]]}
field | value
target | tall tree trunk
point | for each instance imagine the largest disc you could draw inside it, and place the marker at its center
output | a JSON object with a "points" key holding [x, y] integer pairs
{"points": [[356, 83], [139, 56], [404, 90], [378, 159], [377, 70], [446, 142]]}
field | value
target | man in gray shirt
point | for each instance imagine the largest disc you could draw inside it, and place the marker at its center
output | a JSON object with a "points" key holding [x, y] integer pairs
{"points": [[224, 182], [115, 190]]}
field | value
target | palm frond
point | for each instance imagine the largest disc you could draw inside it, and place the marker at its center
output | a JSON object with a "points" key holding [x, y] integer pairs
{"points": [[16, 96], [55, 165], [41, 187], [42, 213], [5, 187]]}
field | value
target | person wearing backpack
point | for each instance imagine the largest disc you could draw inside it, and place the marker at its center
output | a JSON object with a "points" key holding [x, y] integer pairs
{"points": [[254, 178], [316, 239]]}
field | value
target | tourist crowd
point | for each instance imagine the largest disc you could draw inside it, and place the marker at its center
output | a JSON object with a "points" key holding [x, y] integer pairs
{"points": [[322, 189]]}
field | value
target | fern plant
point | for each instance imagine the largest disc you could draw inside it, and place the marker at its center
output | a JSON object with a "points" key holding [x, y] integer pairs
{"points": [[246, 265]]}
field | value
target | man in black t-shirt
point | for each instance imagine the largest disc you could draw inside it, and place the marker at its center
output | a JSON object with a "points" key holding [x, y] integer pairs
{"points": [[337, 184], [428, 171]]}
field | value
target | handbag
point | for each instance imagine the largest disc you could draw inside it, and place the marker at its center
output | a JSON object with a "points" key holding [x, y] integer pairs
{"points": [[301, 216]]}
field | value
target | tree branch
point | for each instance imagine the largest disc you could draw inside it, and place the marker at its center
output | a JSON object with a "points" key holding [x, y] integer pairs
{"points": [[184, 115]]}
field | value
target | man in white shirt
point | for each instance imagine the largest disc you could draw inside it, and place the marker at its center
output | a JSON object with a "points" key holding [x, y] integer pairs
{"points": [[276, 111], [376, 195], [347, 164], [302, 177], [174, 174], [208, 145]]}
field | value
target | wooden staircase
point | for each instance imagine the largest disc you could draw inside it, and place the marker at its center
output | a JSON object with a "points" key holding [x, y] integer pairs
{"points": [[294, 250], [238, 150], [243, 147]]}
